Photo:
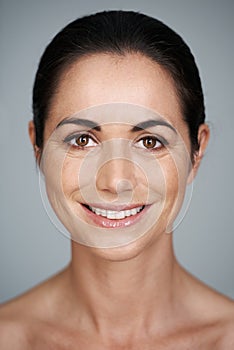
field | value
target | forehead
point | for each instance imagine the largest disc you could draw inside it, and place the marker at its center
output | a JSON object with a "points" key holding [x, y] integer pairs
{"points": [[103, 78]]}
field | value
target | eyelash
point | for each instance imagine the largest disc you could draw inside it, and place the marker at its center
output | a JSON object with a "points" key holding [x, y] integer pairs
{"points": [[155, 139], [68, 140]]}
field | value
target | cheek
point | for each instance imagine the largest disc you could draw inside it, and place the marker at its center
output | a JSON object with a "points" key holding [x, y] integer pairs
{"points": [[176, 172], [171, 175], [69, 176]]}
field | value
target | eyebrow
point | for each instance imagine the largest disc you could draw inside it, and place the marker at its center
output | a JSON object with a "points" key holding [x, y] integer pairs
{"points": [[138, 127], [89, 123], [150, 123]]}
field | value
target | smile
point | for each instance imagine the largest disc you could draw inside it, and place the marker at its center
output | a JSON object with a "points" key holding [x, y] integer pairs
{"points": [[114, 214], [110, 218]]}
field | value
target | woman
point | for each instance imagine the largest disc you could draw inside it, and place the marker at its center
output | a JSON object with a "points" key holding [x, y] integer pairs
{"points": [[118, 133]]}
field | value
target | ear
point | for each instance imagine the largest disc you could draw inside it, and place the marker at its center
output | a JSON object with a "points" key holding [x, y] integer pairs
{"points": [[32, 136], [203, 138]]}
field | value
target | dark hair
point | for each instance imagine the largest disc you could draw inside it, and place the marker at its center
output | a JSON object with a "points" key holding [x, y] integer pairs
{"points": [[120, 32]]}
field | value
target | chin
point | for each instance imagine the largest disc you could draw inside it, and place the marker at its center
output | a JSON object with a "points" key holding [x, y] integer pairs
{"points": [[130, 250]]}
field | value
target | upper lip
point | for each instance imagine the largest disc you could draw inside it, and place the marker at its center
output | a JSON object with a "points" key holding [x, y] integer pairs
{"points": [[114, 207]]}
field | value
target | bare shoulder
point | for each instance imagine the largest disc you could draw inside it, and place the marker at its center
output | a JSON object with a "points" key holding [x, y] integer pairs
{"points": [[226, 309], [13, 326], [227, 338], [218, 312], [214, 311], [13, 335], [22, 317]]}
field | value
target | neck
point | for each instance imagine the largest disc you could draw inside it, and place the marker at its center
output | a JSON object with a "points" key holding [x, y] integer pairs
{"points": [[127, 295]]}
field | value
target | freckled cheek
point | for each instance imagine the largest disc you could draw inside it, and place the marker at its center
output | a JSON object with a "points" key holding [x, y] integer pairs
{"points": [[170, 186], [176, 174], [70, 175], [171, 178]]}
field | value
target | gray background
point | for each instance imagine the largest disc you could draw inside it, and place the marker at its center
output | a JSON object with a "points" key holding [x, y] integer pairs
{"points": [[30, 247]]}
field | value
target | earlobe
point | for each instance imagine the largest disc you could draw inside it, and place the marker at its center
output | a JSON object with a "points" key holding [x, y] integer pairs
{"points": [[32, 132], [203, 139], [32, 136]]}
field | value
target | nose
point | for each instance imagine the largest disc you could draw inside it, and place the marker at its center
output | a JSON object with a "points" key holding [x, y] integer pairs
{"points": [[116, 176]]}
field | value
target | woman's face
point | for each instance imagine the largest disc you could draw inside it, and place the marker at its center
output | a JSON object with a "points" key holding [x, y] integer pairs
{"points": [[116, 156]]}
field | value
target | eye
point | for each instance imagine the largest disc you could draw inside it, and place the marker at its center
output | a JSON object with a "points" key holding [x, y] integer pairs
{"points": [[151, 143], [80, 141]]}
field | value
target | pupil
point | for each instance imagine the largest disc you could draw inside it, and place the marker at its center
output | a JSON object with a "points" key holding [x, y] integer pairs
{"points": [[149, 142], [82, 140]]}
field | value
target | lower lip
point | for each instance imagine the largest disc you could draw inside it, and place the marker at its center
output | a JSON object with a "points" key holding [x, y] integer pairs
{"points": [[103, 221]]}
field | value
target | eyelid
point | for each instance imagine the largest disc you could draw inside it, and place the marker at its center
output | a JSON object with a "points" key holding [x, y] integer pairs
{"points": [[76, 134], [153, 136]]}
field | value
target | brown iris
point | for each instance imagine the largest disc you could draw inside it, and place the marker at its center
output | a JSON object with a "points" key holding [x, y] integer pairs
{"points": [[149, 142], [82, 140]]}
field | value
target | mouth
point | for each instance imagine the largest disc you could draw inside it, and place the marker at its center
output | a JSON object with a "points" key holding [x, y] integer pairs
{"points": [[109, 218], [114, 214]]}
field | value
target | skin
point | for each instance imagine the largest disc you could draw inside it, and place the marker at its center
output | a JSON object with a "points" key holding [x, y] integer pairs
{"points": [[136, 296]]}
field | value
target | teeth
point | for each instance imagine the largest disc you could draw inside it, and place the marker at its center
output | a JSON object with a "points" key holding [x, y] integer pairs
{"points": [[112, 214], [134, 211], [98, 211]]}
